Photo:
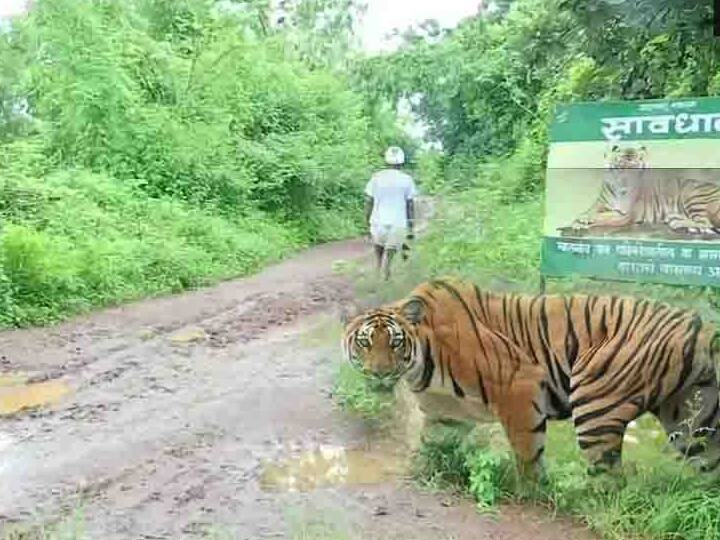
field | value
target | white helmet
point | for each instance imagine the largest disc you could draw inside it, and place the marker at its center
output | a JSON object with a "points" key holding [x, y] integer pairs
{"points": [[394, 156]]}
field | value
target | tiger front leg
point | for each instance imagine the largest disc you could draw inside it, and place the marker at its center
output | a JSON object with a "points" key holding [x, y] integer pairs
{"points": [[523, 417], [612, 220], [584, 222], [606, 219]]}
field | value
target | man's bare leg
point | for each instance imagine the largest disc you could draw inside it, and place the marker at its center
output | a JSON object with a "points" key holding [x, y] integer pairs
{"points": [[386, 260], [379, 252]]}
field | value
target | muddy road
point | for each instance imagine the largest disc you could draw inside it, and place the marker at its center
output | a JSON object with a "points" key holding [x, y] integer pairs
{"points": [[210, 413]]}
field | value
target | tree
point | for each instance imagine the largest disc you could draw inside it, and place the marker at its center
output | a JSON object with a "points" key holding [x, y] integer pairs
{"points": [[323, 33]]}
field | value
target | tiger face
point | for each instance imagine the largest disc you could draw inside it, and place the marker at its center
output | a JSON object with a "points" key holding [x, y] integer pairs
{"points": [[626, 170], [381, 343], [626, 165], [627, 158]]}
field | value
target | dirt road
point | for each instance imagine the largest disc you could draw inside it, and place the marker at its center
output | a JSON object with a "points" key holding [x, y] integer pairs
{"points": [[166, 414]]}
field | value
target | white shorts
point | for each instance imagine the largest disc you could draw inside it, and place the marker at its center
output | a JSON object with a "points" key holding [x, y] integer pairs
{"points": [[388, 236]]}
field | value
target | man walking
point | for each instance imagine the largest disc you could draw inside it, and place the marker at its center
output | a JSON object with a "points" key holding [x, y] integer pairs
{"points": [[389, 209]]}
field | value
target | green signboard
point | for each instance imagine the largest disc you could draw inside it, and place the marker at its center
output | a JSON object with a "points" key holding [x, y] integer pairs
{"points": [[633, 192]]}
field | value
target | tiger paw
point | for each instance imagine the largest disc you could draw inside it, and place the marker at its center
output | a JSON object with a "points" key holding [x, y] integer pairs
{"points": [[582, 224], [575, 228]]}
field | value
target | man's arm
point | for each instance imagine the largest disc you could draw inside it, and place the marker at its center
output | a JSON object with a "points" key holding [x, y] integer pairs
{"points": [[410, 210], [410, 195]]}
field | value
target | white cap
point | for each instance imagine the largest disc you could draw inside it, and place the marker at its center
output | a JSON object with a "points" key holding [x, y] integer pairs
{"points": [[395, 156]]}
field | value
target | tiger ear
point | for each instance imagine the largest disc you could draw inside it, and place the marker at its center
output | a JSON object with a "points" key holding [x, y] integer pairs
{"points": [[413, 310], [611, 156]]}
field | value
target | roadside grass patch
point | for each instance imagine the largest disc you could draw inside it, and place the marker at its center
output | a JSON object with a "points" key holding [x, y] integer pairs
{"points": [[656, 495], [73, 241]]}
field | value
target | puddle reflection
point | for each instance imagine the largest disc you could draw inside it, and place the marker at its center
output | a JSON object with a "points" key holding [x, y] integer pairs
{"points": [[17, 395], [330, 466]]}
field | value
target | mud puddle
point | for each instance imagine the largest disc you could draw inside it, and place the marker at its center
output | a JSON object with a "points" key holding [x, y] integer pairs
{"points": [[331, 466], [17, 394]]}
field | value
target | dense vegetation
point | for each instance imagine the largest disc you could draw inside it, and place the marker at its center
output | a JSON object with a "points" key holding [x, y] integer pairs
{"points": [[147, 146]]}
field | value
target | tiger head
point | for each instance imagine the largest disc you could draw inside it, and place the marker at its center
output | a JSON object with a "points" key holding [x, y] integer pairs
{"points": [[383, 343], [626, 167], [626, 158]]}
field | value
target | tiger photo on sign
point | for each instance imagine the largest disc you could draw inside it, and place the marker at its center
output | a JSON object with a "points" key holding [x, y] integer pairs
{"points": [[467, 353], [634, 198]]}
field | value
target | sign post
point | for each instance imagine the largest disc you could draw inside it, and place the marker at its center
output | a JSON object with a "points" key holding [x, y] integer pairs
{"points": [[633, 192]]}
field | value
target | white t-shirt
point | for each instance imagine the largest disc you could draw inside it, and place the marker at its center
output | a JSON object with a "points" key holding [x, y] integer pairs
{"points": [[390, 190]]}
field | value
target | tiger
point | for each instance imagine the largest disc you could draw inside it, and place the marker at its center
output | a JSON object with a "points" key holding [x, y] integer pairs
{"points": [[523, 360], [629, 197]]}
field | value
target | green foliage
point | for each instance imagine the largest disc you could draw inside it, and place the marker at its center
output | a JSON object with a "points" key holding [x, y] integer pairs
{"points": [[429, 171], [173, 94], [477, 237], [478, 88], [455, 456], [76, 240], [13, 121], [487, 470], [322, 33], [441, 462]]}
